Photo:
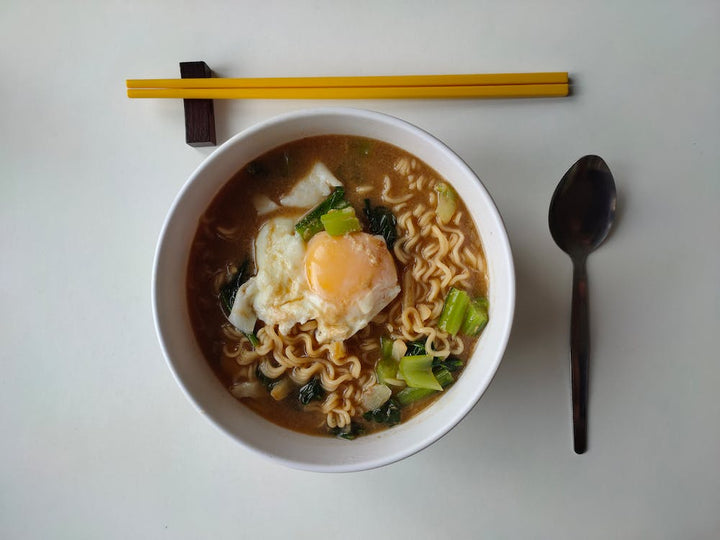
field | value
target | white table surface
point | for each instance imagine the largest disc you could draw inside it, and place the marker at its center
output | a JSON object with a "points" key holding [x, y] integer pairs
{"points": [[98, 441]]}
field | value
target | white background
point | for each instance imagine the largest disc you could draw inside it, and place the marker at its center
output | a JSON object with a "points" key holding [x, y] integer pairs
{"points": [[97, 440]]}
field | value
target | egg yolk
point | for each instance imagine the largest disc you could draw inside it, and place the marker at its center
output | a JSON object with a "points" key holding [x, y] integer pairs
{"points": [[343, 268]]}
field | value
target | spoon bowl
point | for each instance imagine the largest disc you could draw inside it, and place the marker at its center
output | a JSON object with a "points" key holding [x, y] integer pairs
{"points": [[582, 211]]}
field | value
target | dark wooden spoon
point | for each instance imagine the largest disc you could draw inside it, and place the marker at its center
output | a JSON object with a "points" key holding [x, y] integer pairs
{"points": [[582, 210]]}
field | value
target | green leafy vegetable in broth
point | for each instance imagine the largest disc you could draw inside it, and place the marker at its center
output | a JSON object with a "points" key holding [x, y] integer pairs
{"points": [[453, 312], [409, 395], [415, 348], [310, 224], [354, 430], [476, 317], [230, 289], [417, 372], [443, 376], [388, 413], [228, 292], [386, 367], [446, 202], [382, 222], [266, 381], [310, 391], [451, 363]]}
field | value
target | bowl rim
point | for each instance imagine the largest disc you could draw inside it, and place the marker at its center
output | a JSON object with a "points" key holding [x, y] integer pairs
{"points": [[508, 296]]}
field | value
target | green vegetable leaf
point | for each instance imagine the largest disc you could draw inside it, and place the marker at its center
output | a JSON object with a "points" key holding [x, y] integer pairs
{"points": [[266, 381], [443, 376], [416, 348], [451, 363], [409, 395], [382, 222], [354, 430], [312, 390], [310, 223], [230, 289], [476, 317], [388, 413]]}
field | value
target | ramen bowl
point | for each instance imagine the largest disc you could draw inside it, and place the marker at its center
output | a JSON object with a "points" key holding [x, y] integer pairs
{"points": [[212, 398]]}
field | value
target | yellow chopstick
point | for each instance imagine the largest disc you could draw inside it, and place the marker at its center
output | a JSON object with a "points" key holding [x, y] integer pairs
{"points": [[386, 92], [473, 79]]}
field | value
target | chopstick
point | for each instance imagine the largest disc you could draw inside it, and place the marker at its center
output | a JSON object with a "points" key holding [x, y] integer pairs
{"points": [[473, 79], [548, 84], [387, 92]]}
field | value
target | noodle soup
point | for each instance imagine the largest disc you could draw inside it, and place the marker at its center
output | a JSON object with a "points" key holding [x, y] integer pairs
{"points": [[337, 285]]}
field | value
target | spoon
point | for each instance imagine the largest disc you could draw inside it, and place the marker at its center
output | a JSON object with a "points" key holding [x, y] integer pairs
{"points": [[582, 211]]}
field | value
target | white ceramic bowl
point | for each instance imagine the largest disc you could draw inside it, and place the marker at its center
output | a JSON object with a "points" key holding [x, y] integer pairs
{"points": [[205, 390]]}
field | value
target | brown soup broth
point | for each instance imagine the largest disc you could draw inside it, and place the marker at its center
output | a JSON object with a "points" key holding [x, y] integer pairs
{"points": [[226, 234]]}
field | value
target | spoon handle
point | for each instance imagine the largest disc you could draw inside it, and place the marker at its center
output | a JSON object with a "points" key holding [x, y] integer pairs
{"points": [[579, 354]]}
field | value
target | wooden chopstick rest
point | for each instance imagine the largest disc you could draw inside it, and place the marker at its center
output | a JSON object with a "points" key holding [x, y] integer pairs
{"points": [[199, 113]]}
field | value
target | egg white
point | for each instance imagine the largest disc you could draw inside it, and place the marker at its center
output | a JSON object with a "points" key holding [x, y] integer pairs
{"points": [[279, 294]]}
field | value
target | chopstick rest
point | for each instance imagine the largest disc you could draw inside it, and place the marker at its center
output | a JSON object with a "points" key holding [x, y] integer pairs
{"points": [[199, 113]]}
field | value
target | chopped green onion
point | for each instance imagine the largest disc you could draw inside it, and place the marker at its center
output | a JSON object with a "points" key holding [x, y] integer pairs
{"points": [[310, 223], [339, 222], [417, 372], [446, 202], [252, 338], [476, 317], [453, 312], [386, 368]]}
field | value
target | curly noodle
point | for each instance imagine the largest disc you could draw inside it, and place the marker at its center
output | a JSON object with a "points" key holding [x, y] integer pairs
{"points": [[433, 257]]}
